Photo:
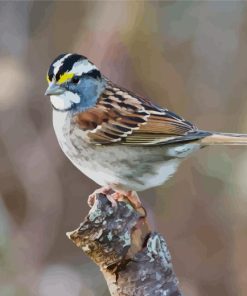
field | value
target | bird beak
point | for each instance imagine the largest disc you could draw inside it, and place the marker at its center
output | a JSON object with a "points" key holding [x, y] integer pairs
{"points": [[54, 89]]}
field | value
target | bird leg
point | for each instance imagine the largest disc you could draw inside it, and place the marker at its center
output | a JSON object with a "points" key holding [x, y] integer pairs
{"points": [[134, 199], [130, 195], [106, 190], [114, 196]]}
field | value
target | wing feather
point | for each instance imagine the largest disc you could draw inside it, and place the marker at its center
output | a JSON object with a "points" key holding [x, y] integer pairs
{"points": [[125, 118]]}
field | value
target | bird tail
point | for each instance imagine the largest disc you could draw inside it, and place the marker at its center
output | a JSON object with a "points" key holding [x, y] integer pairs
{"points": [[224, 139]]}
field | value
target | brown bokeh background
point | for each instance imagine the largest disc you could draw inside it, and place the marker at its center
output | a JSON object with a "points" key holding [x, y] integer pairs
{"points": [[190, 57]]}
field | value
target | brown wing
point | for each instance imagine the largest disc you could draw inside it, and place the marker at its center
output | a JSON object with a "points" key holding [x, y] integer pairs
{"points": [[122, 117]]}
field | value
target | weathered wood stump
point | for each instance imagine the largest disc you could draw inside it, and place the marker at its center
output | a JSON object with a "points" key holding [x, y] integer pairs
{"points": [[133, 260]]}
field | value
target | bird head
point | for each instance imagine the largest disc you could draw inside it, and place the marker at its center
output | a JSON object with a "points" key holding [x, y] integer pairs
{"points": [[74, 83]]}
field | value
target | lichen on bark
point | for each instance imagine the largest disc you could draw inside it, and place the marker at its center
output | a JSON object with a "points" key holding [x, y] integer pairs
{"points": [[133, 260]]}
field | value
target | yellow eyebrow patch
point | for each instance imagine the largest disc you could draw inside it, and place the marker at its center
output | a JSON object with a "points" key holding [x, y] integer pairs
{"points": [[47, 78], [65, 77]]}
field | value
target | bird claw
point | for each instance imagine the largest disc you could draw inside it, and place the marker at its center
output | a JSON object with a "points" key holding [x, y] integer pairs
{"points": [[112, 200], [92, 197], [107, 191], [134, 199], [113, 197], [91, 200]]}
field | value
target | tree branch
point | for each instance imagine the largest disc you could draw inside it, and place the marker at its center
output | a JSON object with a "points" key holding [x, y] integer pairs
{"points": [[133, 260]]}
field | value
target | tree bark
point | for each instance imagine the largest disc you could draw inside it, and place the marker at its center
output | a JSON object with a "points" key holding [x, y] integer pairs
{"points": [[133, 260]]}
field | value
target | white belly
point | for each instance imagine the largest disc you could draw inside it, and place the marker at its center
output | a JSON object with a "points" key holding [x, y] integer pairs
{"points": [[124, 167]]}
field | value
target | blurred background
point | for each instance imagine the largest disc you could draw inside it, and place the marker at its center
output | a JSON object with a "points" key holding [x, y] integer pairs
{"points": [[189, 56]]}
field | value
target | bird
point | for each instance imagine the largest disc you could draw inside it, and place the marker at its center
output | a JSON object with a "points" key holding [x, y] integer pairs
{"points": [[122, 141]]}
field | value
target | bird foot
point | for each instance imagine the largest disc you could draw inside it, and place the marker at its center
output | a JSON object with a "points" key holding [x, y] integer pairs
{"points": [[106, 190], [114, 196], [131, 196]]}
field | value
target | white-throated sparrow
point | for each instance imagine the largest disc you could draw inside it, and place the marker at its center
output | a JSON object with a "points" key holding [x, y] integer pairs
{"points": [[120, 140]]}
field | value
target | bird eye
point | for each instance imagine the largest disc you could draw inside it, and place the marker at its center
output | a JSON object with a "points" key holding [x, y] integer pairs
{"points": [[75, 79]]}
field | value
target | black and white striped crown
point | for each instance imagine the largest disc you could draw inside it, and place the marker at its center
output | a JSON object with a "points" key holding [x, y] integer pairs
{"points": [[69, 65]]}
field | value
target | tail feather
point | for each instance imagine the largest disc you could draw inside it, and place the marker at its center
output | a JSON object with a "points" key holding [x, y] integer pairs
{"points": [[224, 139]]}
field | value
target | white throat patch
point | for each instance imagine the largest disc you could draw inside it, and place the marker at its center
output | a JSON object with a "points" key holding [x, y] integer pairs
{"points": [[65, 100]]}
